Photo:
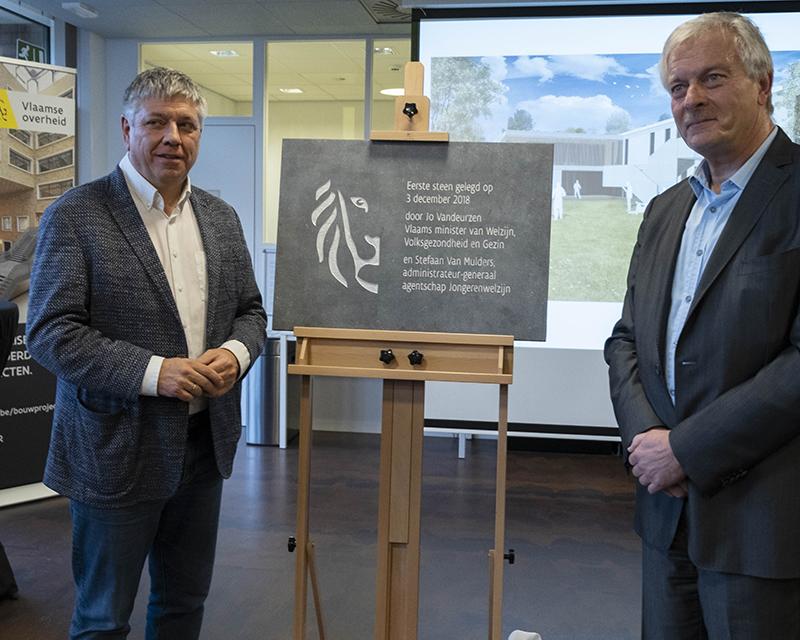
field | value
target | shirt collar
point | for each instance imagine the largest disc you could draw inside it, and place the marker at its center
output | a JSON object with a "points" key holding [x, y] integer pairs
{"points": [[146, 192], [739, 180]]}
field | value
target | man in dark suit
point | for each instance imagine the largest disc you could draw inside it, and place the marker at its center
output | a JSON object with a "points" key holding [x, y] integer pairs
{"points": [[704, 363], [143, 303]]}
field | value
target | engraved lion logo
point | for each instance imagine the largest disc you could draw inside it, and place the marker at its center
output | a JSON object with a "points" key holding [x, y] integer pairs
{"points": [[332, 218]]}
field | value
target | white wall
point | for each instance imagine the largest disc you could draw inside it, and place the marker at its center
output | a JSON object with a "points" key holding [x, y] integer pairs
{"points": [[566, 387], [91, 97], [562, 381], [296, 119], [122, 65], [306, 119]]}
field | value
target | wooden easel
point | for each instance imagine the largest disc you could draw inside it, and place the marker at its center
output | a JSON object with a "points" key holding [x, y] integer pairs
{"points": [[449, 357], [412, 111], [404, 360]]}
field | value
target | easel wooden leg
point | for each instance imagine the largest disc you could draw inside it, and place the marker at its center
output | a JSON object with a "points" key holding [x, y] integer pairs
{"points": [[497, 555], [301, 532], [397, 601], [312, 568]]}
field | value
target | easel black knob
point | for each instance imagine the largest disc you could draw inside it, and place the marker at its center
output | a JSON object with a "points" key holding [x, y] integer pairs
{"points": [[292, 545], [387, 356], [410, 109], [510, 556], [415, 357]]}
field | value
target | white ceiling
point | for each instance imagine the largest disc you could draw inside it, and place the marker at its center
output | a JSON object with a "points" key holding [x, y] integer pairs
{"points": [[333, 70], [231, 77], [223, 18], [323, 70]]}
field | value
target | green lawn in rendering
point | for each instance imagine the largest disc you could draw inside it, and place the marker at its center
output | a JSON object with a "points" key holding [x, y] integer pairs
{"points": [[590, 248]]}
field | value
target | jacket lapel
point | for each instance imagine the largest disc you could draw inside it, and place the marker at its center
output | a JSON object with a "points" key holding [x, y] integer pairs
{"points": [[765, 182], [205, 221], [124, 211], [663, 271]]}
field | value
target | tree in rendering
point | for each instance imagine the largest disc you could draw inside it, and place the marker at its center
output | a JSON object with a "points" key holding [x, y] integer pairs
{"points": [[463, 92], [520, 121]]}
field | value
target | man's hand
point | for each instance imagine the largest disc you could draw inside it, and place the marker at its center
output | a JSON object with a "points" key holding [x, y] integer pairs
{"points": [[186, 379], [680, 490], [225, 364], [654, 464]]}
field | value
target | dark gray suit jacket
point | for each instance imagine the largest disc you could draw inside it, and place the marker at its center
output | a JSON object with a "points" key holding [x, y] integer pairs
{"points": [[735, 423], [100, 307]]}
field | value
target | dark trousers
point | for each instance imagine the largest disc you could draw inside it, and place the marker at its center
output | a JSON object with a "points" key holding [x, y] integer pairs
{"points": [[178, 535], [683, 602]]}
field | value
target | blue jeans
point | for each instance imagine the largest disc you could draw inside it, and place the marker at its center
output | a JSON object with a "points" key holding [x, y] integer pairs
{"points": [[110, 545]]}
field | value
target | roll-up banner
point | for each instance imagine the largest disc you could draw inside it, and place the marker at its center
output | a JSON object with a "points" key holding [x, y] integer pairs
{"points": [[37, 165]]}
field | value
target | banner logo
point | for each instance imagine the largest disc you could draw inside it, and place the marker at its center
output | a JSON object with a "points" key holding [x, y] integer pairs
{"points": [[7, 119], [37, 112]]}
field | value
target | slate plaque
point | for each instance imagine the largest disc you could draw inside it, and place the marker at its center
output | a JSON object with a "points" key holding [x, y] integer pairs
{"points": [[414, 236]]}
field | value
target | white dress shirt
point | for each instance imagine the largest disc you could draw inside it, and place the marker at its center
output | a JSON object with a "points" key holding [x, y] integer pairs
{"points": [[177, 241]]}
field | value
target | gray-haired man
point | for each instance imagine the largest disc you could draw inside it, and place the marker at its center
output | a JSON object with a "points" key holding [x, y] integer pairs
{"points": [[705, 361], [144, 305]]}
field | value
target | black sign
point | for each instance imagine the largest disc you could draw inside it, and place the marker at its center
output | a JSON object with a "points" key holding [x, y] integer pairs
{"points": [[27, 392], [414, 236]]}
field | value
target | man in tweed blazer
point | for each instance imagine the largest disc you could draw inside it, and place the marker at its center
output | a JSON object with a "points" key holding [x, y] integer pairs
{"points": [[705, 361], [143, 303]]}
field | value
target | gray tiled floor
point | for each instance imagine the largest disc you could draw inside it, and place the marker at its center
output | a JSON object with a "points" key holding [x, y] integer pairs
{"points": [[568, 518]]}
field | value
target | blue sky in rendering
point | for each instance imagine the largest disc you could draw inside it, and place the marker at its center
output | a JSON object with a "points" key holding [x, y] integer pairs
{"points": [[587, 91]]}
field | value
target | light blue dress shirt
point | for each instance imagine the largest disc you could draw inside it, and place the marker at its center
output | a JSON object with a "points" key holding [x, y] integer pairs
{"points": [[703, 228]]}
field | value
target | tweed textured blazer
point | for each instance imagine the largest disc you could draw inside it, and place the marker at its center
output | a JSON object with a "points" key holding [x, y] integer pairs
{"points": [[736, 419], [100, 307]]}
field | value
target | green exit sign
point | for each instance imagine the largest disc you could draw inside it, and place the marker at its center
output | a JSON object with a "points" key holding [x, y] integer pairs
{"points": [[30, 52]]}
